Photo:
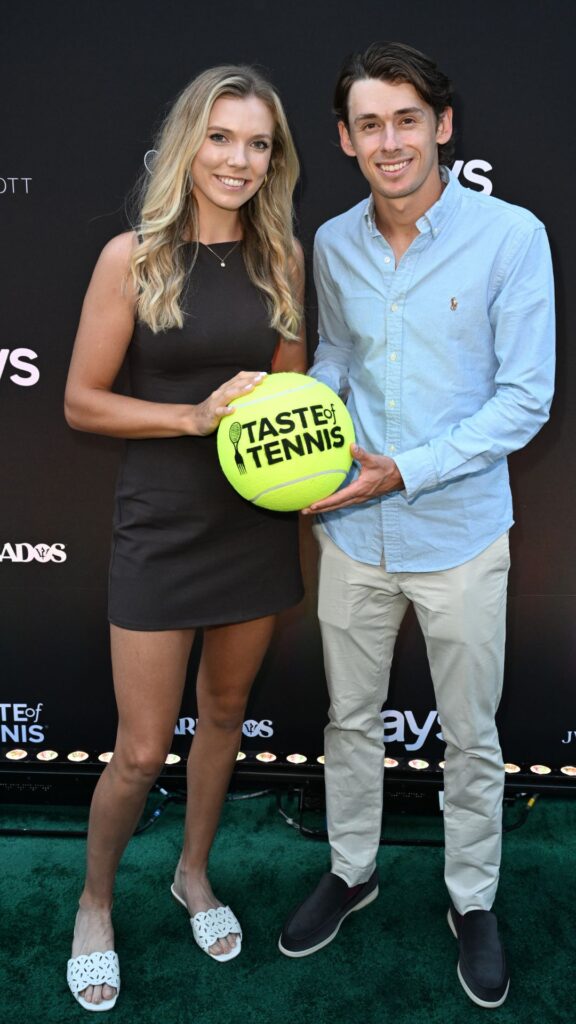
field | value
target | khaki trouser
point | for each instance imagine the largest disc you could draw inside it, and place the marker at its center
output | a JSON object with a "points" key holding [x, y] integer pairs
{"points": [[462, 613]]}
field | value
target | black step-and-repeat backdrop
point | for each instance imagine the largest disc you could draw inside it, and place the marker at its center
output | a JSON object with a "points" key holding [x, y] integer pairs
{"points": [[83, 85]]}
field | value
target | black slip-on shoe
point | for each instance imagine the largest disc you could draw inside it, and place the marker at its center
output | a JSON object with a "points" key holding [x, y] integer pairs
{"points": [[316, 921], [482, 966]]}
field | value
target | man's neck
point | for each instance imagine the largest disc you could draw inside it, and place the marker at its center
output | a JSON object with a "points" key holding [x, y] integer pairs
{"points": [[396, 219]]}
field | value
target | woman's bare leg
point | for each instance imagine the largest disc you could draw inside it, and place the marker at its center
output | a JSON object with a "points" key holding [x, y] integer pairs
{"points": [[231, 657], [149, 674]]}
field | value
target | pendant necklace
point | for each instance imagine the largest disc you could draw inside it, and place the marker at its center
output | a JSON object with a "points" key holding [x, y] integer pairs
{"points": [[222, 259]]}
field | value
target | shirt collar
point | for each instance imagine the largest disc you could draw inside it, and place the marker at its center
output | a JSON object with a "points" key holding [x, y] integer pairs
{"points": [[437, 216]]}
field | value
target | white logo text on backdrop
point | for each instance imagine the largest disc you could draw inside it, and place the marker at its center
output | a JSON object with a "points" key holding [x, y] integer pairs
{"points": [[396, 724], [18, 359], [20, 723], [33, 553], [13, 186], [187, 726], [468, 170]]}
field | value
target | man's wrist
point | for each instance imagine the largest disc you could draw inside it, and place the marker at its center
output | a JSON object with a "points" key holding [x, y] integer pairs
{"points": [[398, 479]]}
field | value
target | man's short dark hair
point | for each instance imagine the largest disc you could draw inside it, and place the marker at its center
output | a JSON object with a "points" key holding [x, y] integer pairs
{"points": [[397, 62]]}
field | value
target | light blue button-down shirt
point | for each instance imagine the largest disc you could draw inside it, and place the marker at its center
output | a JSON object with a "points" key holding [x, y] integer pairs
{"points": [[448, 364]]}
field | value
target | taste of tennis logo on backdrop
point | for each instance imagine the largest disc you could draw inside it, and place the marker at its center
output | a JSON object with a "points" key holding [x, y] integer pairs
{"points": [[16, 365], [14, 186], [26, 553], [20, 723]]}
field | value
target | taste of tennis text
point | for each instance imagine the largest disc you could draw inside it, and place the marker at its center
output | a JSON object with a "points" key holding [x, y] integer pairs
{"points": [[302, 420]]}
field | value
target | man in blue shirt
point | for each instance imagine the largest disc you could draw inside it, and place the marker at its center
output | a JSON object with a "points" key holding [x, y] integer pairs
{"points": [[436, 323]]}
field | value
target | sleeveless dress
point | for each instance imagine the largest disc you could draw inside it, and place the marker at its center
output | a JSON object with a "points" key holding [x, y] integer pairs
{"points": [[187, 549]]}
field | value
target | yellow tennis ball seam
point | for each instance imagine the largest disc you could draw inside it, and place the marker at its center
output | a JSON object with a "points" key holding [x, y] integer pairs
{"points": [[270, 395], [299, 480]]}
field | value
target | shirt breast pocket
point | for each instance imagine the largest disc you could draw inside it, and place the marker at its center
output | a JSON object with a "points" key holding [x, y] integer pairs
{"points": [[461, 325]]}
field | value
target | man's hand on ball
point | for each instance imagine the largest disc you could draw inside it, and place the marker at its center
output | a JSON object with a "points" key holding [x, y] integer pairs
{"points": [[378, 475], [207, 415]]}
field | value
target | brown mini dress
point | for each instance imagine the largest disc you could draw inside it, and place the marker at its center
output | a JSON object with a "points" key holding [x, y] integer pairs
{"points": [[187, 549]]}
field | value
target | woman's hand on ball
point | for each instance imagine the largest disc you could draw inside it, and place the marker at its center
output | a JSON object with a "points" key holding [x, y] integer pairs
{"points": [[378, 475], [207, 415]]}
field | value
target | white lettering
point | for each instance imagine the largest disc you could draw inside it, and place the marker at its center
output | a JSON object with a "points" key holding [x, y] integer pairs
{"points": [[422, 733], [9, 553], [19, 723], [253, 728], [250, 727], [42, 552], [14, 188], [21, 734], [185, 725], [149, 159], [398, 725], [34, 713], [18, 359], [468, 172], [393, 722], [25, 552], [57, 552], [188, 726]]}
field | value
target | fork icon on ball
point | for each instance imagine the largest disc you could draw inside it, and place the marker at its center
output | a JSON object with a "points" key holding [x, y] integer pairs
{"points": [[235, 433]]}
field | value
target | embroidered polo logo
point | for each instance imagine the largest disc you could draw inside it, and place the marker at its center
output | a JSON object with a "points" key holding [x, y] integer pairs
{"points": [[453, 304]]}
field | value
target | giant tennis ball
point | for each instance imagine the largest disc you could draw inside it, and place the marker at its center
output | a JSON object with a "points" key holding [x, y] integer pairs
{"points": [[287, 444]]}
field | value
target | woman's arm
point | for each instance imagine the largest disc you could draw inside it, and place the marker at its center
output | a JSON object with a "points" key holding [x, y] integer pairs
{"points": [[291, 355], [104, 333]]}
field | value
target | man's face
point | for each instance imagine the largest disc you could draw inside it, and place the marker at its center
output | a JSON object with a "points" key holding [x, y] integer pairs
{"points": [[394, 135]]}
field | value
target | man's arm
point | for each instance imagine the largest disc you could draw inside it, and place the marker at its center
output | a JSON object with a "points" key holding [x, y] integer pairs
{"points": [[522, 318], [332, 356]]}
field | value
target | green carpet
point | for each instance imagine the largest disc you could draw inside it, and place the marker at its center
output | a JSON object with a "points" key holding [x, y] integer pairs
{"points": [[392, 963]]}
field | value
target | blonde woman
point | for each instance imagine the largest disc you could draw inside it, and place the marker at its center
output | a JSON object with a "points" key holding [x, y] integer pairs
{"points": [[203, 299]]}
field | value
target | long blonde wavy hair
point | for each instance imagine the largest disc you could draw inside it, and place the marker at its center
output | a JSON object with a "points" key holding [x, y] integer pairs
{"points": [[168, 215]]}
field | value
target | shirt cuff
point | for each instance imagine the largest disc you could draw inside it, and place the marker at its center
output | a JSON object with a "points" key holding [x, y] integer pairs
{"points": [[417, 469]]}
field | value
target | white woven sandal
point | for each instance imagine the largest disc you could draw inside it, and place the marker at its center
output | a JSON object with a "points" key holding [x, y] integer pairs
{"points": [[210, 925], [94, 969]]}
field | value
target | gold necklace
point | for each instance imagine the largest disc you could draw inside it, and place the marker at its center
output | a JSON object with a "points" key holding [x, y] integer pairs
{"points": [[222, 259]]}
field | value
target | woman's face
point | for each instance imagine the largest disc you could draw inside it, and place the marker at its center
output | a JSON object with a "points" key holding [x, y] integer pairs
{"points": [[231, 164]]}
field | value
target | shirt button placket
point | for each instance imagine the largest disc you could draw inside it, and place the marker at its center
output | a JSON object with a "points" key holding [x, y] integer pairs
{"points": [[393, 411]]}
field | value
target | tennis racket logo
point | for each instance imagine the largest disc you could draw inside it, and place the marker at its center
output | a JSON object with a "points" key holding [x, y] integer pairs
{"points": [[235, 433]]}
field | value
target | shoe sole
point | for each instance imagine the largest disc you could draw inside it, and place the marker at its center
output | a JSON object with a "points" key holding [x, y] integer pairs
{"points": [[493, 1004], [106, 1004], [320, 945]]}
